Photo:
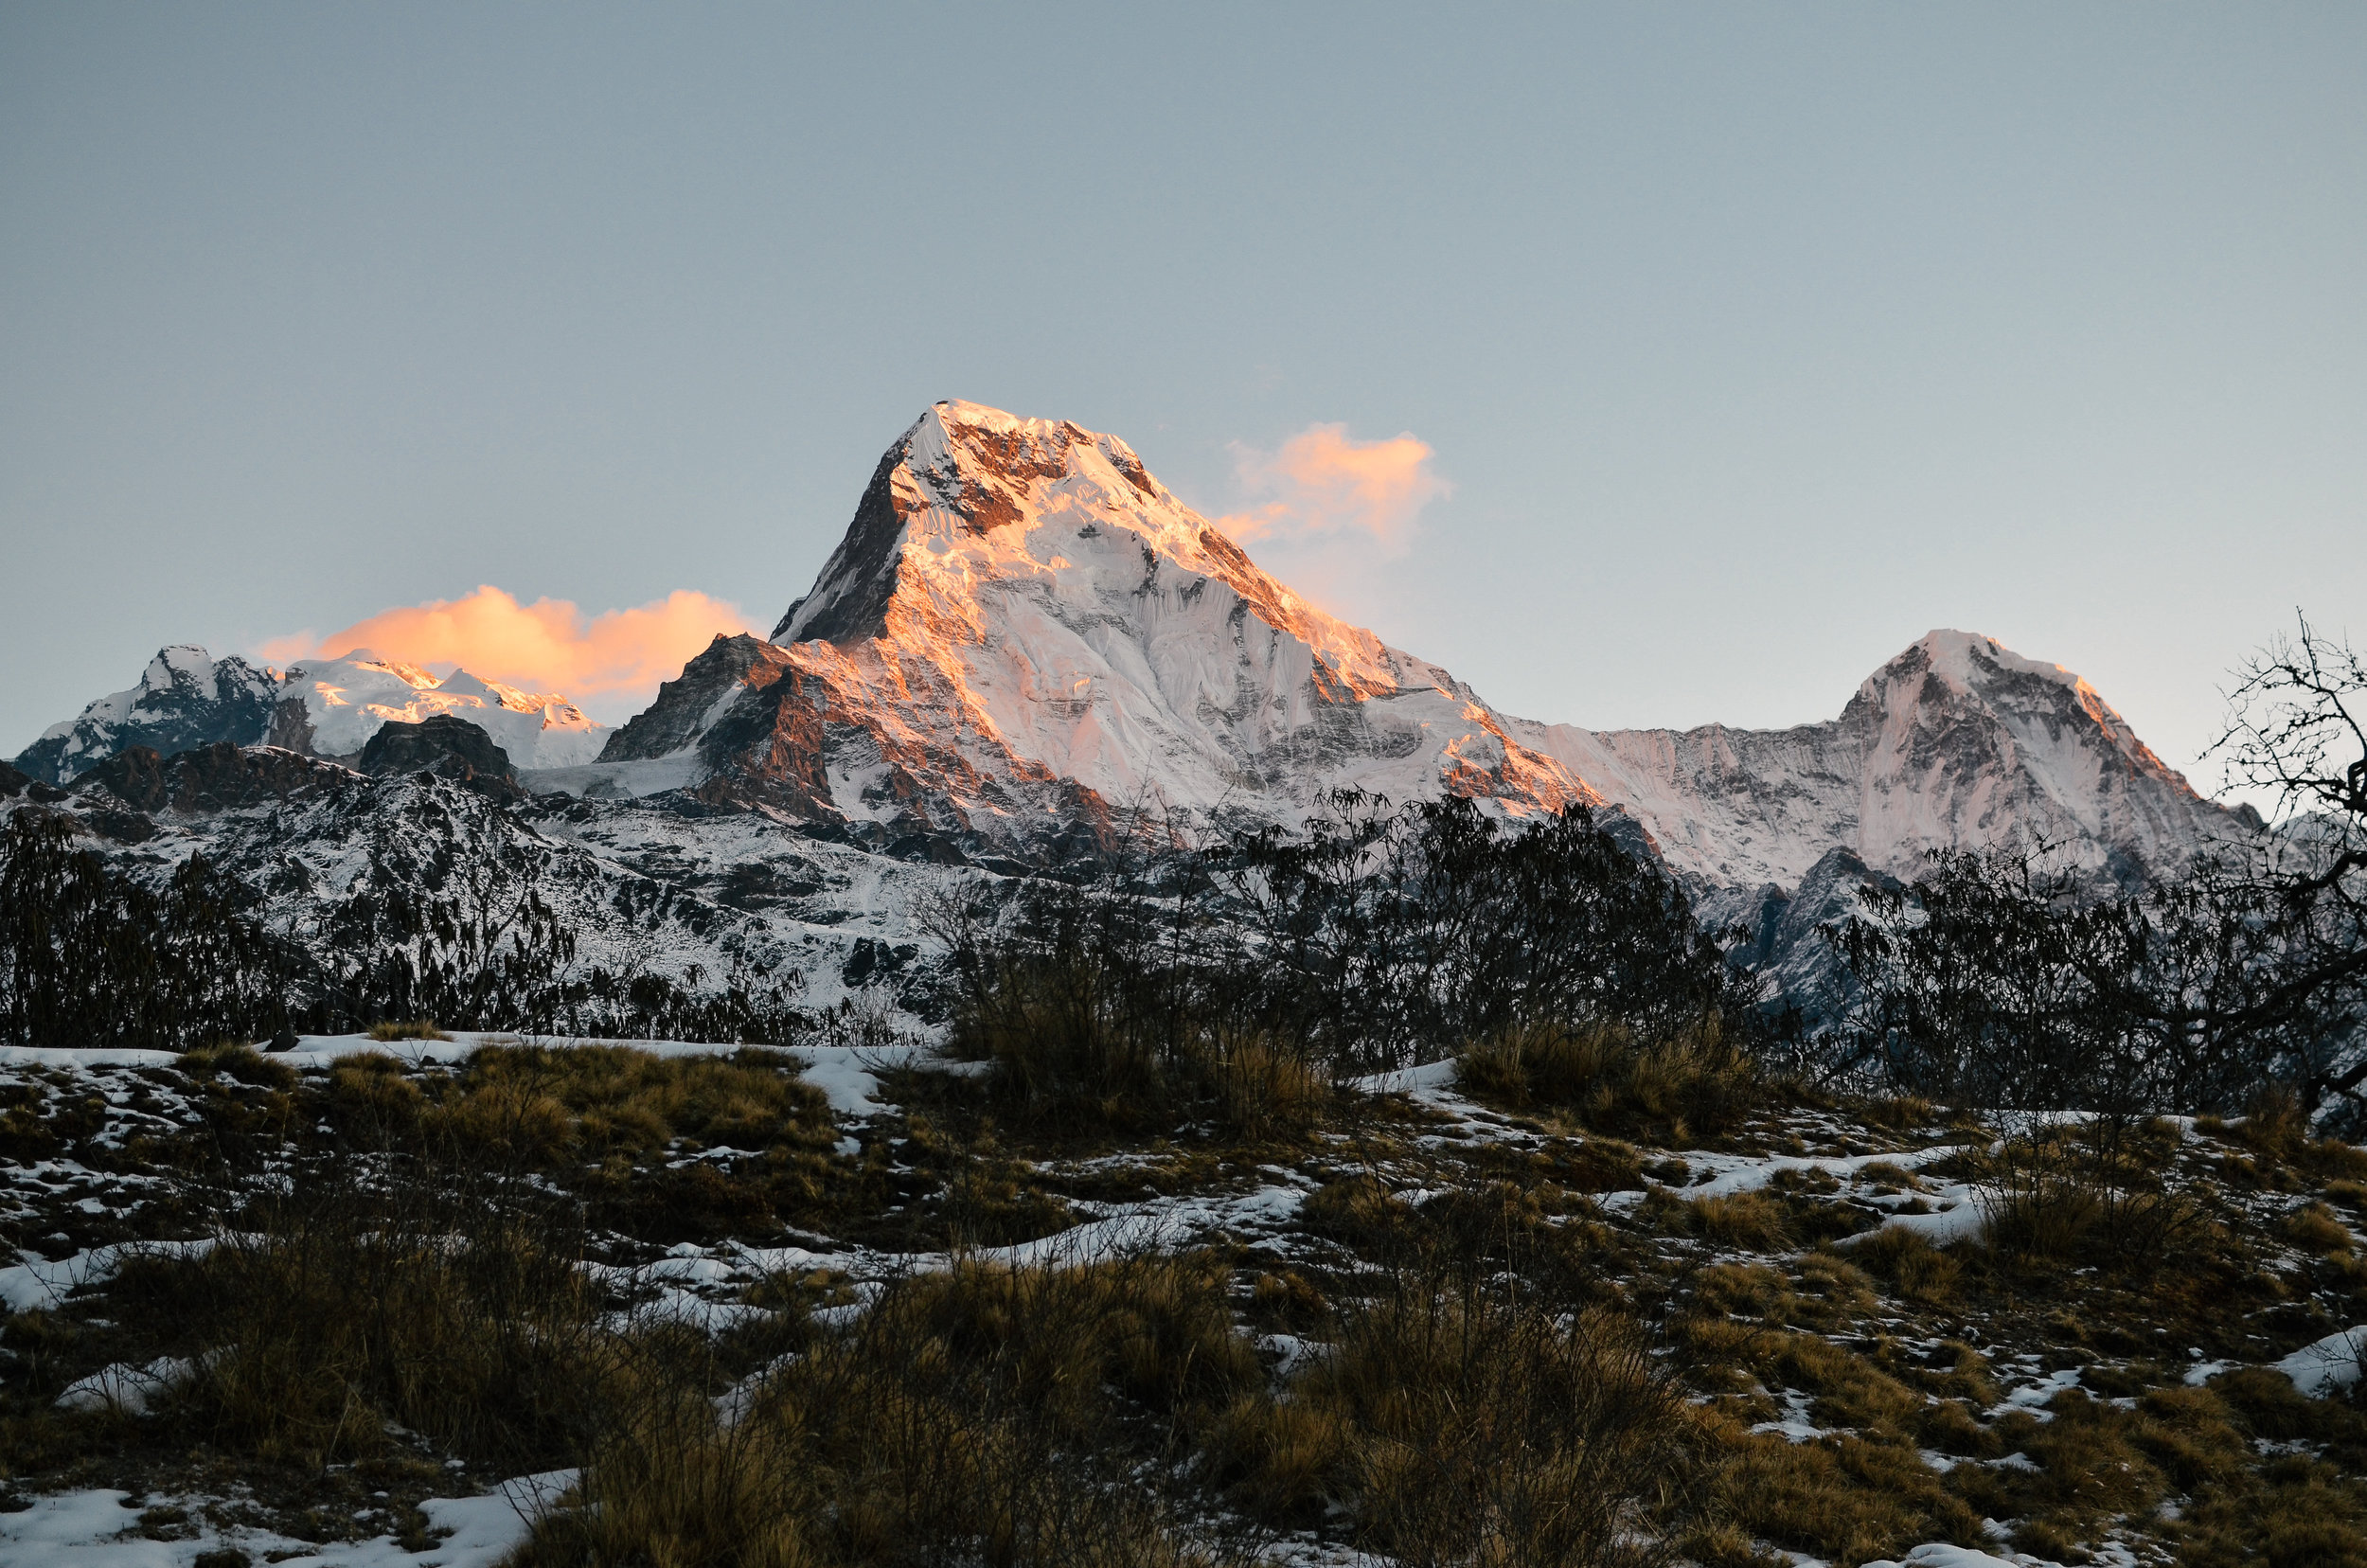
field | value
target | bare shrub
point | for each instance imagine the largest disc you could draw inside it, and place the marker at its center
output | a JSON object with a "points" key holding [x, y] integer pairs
{"points": [[1087, 1036]]}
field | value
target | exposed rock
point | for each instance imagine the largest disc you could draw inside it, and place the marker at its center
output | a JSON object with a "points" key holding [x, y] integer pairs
{"points": [[207, 778], [446, 747], [686, 705], [135, 777]]}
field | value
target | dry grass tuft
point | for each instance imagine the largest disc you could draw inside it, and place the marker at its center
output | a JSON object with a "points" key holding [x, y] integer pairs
{"points": [[1917, 1271], [1696, 1083], [238, 1061], [2316, 1228], [988, 1415], [1468, 1423], [537, 1103], [416, 1028], [1750, 1220], [1846, 1498]]}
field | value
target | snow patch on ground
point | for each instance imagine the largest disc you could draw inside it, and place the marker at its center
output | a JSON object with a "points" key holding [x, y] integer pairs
{"points": [[38, 1284], [95, 1529], [2329, 1365]]}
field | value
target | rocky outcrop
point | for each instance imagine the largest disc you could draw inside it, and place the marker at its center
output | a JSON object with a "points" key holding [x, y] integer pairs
{"points": [[689, 703], [446, 747], [218, 777]]}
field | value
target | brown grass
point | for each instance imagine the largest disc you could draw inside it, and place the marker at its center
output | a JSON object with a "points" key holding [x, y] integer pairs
{"points": [[1751, 1221], [1696, 1084], [987, 1413], [238, 1061], [368, 1298], [1915, 1270], [2316, 1228], [539, 1103], [1461, 1423], [416, 1028]]}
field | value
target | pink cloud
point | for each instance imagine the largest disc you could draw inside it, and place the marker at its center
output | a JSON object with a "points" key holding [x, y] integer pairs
{"points": [[1324, 486], [548, 646]]}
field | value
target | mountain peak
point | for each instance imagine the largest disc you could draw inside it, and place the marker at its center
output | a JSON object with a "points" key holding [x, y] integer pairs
{"points": [[973, 500]]}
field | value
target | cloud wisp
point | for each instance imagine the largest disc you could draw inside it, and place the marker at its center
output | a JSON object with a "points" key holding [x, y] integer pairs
{"points": [[548, 646], [1321, 486]]}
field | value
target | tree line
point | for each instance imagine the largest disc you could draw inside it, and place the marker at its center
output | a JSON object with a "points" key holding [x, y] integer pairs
{"points": [[90, 956]]}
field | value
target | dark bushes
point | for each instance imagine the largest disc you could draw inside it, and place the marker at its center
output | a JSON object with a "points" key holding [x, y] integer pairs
{"points": [[1089, 1029], [1387, 938], [89, 955], [992, 1413], [90, 958]]}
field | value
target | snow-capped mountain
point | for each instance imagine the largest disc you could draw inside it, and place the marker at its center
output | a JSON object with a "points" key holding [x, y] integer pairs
{"points": [[1026, 649], [1957, 743], [1023, 628], [331, 707], [327, 708], [185, 698], [1024, 634]]}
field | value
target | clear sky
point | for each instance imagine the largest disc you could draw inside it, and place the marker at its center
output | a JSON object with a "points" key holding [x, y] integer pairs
{"points": [[1747, 343]]}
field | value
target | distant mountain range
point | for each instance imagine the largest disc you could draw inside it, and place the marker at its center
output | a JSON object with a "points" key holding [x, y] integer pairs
{"points": [[328, 708], [1023, 646]]}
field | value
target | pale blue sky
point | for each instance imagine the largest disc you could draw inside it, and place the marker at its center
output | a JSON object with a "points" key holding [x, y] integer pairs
{"points": [[1754, 341]]}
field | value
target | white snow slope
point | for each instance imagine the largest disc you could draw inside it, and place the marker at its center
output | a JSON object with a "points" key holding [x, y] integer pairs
{"points": [[344, 701]]}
